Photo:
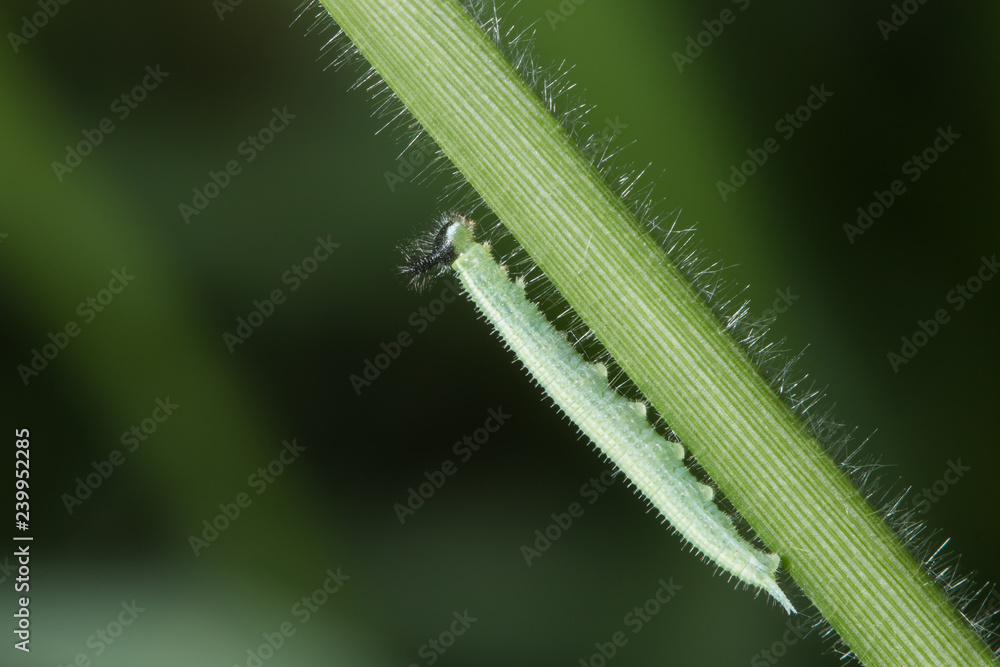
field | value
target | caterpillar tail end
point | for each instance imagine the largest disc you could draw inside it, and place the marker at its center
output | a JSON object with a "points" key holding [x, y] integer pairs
{"points": [[770, 585], [779, 596]]}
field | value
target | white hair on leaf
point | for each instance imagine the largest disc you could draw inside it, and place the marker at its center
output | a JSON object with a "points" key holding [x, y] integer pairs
{"points": [[555, 89]]}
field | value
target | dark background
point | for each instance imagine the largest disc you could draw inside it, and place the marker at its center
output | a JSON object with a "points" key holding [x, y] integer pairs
{"points": [[325, 175]]}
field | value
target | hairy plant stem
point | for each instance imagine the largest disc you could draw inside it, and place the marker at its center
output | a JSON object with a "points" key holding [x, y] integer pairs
{"points": [[465, 94]]}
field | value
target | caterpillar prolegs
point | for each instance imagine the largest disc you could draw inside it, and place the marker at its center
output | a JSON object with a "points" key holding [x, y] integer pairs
{"points": [[617, 426]]}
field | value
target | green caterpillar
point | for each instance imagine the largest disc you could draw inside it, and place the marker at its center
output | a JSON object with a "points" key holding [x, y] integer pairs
{"points": [[617, 426]]}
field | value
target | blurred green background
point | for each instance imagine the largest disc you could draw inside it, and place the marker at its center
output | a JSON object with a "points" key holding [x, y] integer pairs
{"points": [[324, 176]]}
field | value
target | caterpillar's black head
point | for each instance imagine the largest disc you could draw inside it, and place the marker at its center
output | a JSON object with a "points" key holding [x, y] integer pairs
{"points": [[433, 253]]}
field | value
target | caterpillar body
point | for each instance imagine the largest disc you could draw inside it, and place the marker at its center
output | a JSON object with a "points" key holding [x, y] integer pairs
{"points": [[617, 426]]}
